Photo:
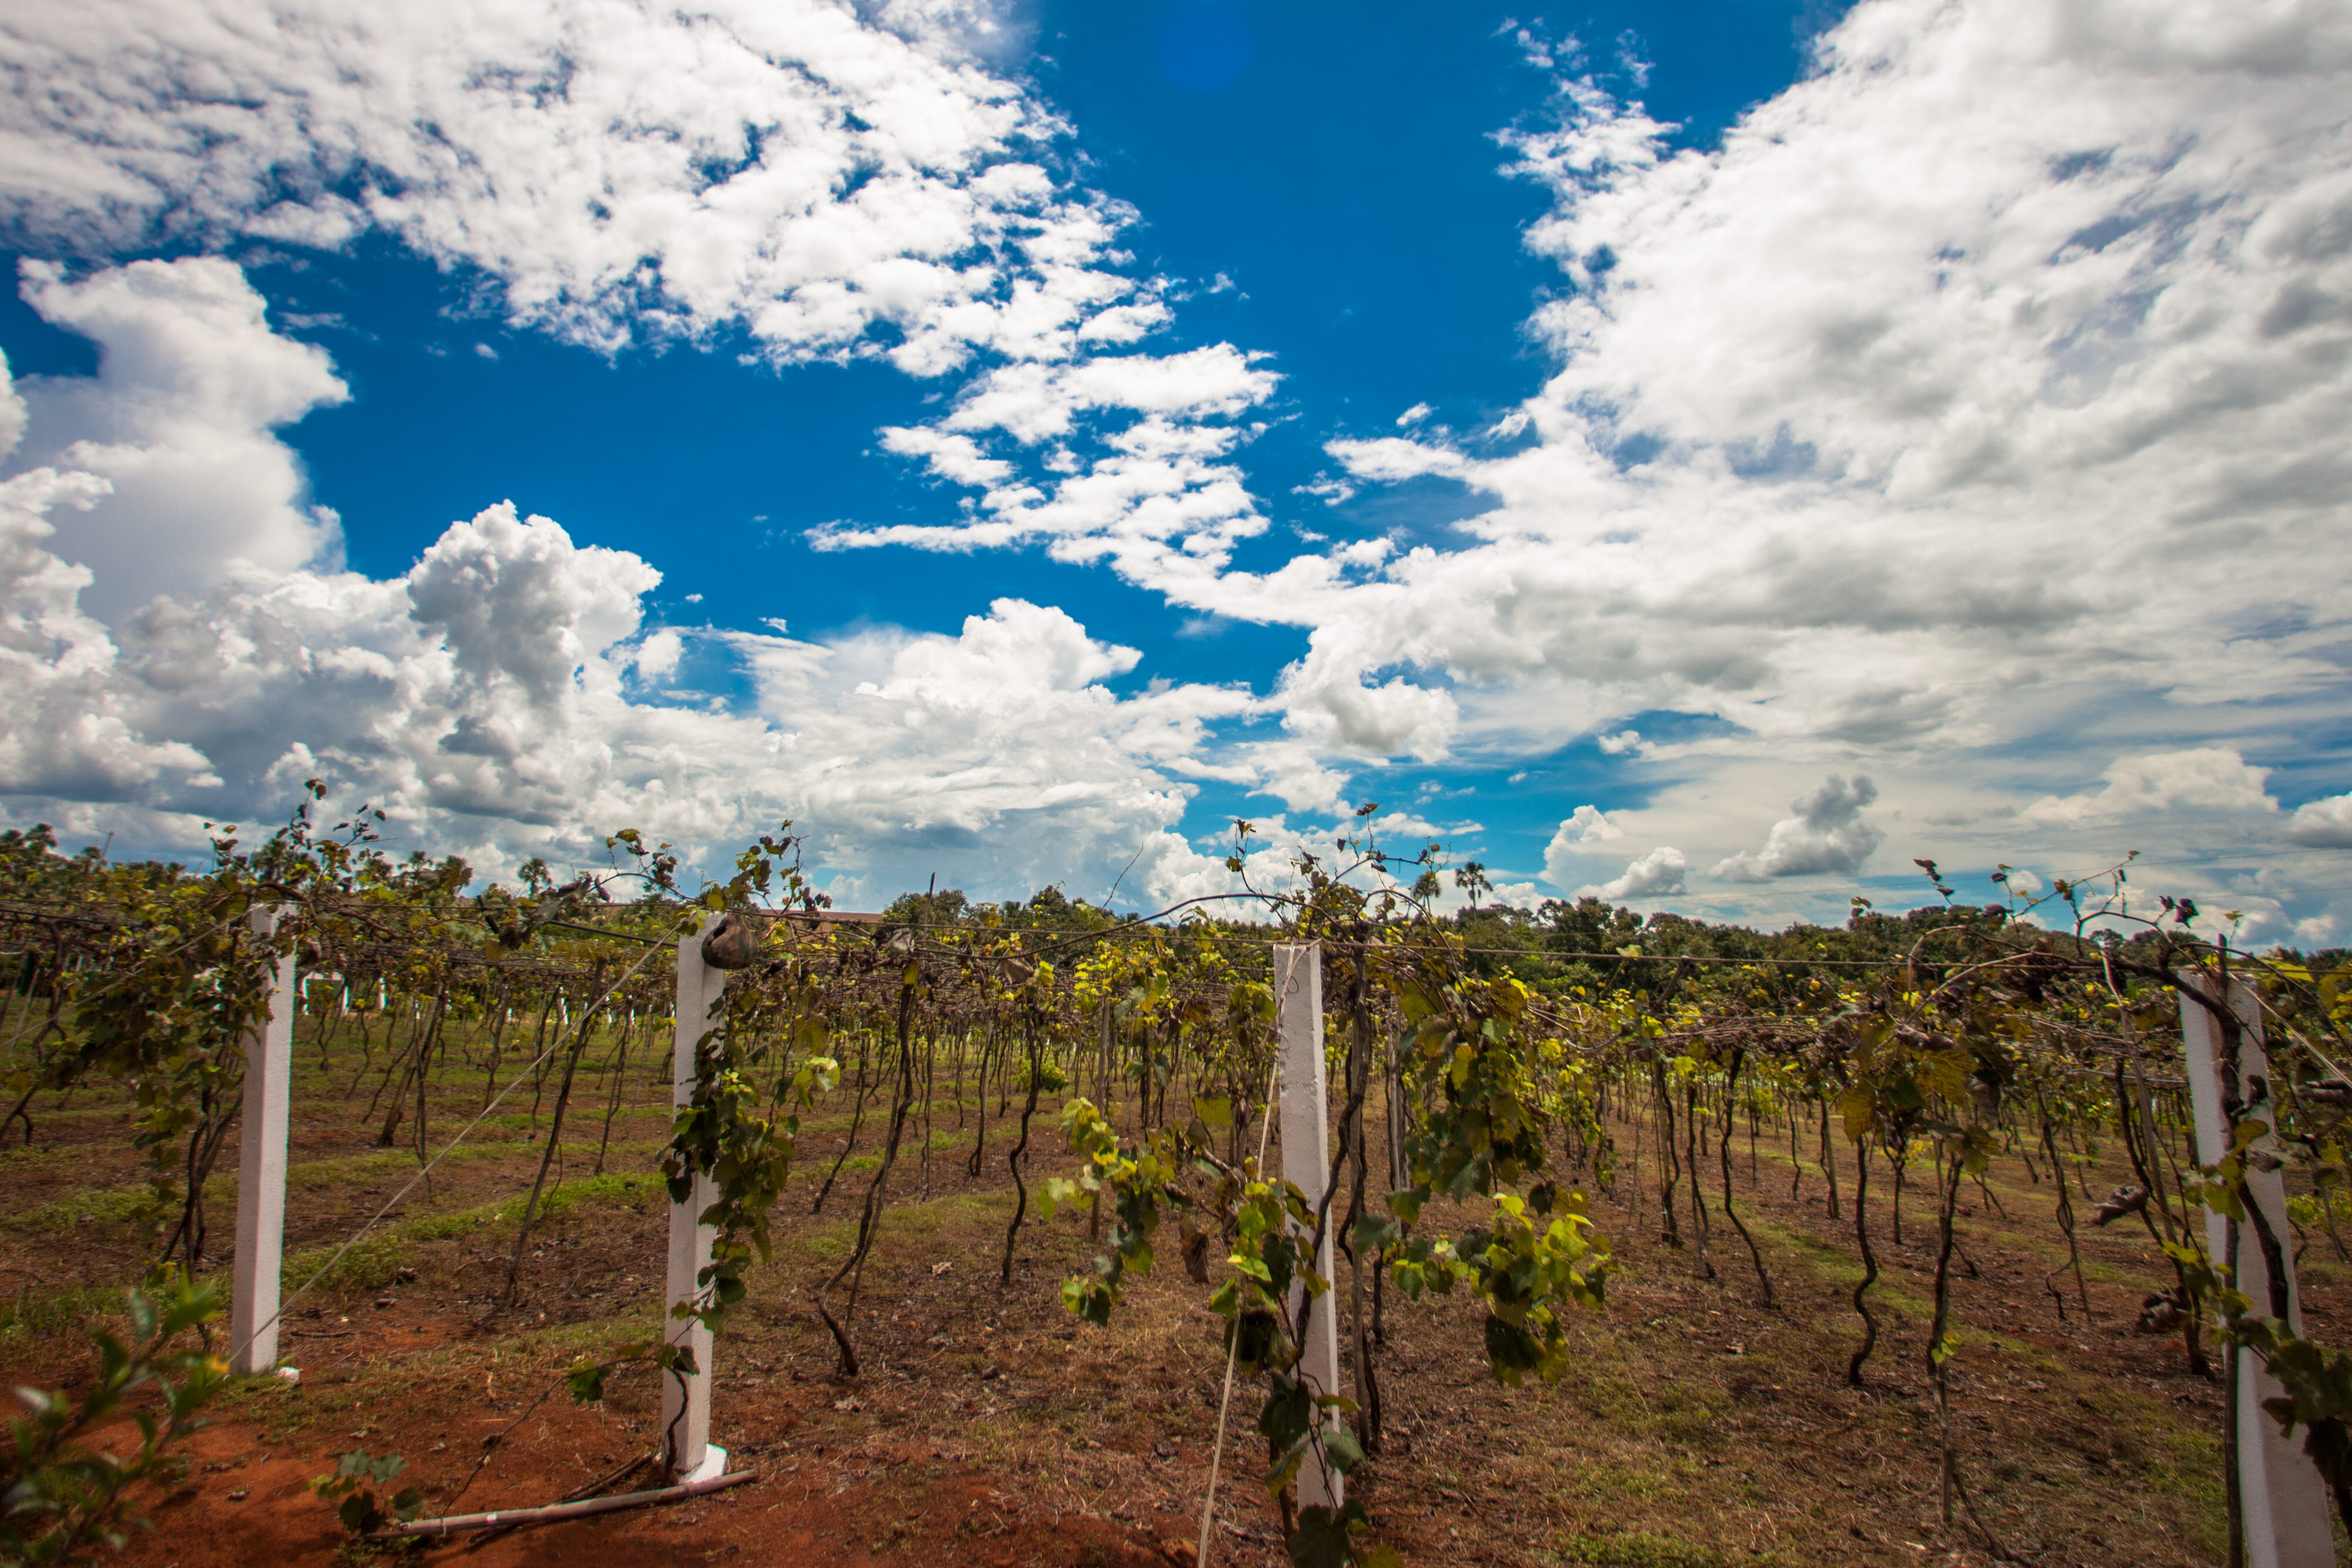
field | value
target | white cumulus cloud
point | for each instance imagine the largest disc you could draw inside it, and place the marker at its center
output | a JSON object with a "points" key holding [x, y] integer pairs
{"points": [[658, 654], [483, 697], [2206, 776], [1585, 826], [1656, 874], [1827, 834], [1389, 458], [180, 421], [620, 170], [2323, 824]]}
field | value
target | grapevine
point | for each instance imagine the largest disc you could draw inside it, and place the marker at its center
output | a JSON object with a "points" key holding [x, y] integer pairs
{"points": [[1484, 1100]]}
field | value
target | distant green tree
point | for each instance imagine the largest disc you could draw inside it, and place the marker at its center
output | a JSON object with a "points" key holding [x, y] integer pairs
{"points": [[947, 906]]}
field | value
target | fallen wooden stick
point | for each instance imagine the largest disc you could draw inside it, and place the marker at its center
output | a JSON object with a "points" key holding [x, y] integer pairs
{"points": [[555, 1513]]}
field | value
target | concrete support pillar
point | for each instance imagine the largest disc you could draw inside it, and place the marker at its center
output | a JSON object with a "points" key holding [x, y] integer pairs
{"points": [[2286, 1512], [685, 1404], [261, 1170], [1306, 1164]]}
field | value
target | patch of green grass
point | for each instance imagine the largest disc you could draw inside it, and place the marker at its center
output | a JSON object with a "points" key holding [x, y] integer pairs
{"points": [[375, 1258], [1640, 1549], [903, 1222], [33, 1314], [124, 1206], [1647, 1479], [940, 1142], [597, 1335], [821, 1246], [613, 1189], [1832, 1264], [2178, 1463], [112, 1206], [103, 1110], [313, 1176], [370, 1265]]}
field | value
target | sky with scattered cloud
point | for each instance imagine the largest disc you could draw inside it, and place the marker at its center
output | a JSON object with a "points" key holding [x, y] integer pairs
{"points": [[1705, 461]]}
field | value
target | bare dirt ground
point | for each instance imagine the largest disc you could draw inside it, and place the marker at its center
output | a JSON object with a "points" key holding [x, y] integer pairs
{"points": [[1694, 1429]]}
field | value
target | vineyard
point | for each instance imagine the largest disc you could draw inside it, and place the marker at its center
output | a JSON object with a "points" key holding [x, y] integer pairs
{"points": [[1307, 1224]]}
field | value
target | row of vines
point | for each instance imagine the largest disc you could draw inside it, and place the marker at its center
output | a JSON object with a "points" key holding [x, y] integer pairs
{"points": [[1474, 1114]]}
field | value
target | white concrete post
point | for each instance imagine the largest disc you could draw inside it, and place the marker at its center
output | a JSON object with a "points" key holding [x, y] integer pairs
{"points": [[2286, 1514], [261, 1170], [1306, 1164], [689, 1453]]}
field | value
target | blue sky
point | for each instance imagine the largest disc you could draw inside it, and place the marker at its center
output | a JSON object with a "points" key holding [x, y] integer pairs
{"points": [[1706, 456]]}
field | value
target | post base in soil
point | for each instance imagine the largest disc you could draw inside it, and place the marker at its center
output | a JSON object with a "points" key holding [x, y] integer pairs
{"points": [[713, 1466]]}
